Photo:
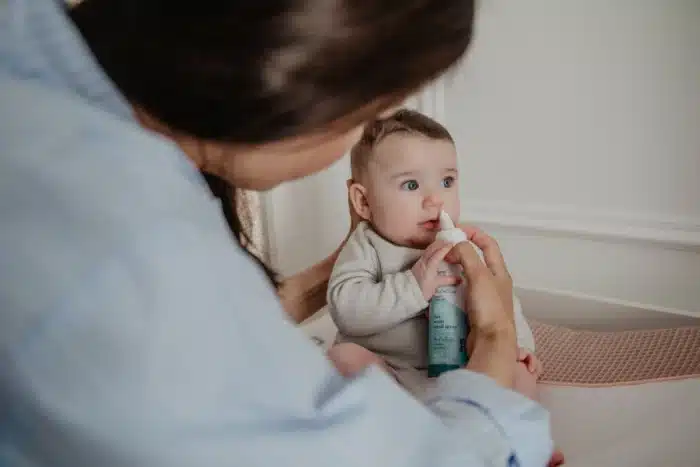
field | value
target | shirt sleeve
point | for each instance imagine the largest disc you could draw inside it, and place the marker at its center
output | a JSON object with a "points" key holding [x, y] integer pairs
{"points": [[175, 352], [360, 301], [522, 329]]}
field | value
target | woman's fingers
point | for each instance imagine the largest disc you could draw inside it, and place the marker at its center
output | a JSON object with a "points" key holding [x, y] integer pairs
{"points": [[470, 230], [483, 281], [465, 254], [493, 257]]}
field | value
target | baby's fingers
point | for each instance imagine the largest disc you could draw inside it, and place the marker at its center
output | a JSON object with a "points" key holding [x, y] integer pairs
{"points": [[433, 261], [532, 365], [443, 281], [522, 354], [432, 249]]}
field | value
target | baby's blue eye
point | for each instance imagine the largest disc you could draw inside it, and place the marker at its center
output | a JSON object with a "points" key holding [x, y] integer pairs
{"points": [[410, 185], [448, 182]]}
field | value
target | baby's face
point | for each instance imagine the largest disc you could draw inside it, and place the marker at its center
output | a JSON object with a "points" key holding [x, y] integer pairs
{"points": [[410, 178]]}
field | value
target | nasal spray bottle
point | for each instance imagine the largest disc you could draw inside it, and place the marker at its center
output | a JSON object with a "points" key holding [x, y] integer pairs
{"points": [[447, 326]]}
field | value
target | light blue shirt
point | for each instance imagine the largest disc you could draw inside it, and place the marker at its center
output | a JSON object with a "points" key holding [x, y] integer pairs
{"points": [[133, 332]]}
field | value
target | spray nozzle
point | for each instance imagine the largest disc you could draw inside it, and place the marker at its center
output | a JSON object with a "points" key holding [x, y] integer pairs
{"points": [[445, 221]]}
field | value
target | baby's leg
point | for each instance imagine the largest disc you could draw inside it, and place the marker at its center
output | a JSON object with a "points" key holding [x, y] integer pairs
{"points": [[350, 359], [525, 383]]}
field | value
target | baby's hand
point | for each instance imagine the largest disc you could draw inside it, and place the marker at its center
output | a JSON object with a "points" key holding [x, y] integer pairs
{"points": [[426, 269], [532, 363]]}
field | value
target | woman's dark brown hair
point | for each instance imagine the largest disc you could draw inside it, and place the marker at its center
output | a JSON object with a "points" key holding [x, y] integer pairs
{"points": [[253, 72]]}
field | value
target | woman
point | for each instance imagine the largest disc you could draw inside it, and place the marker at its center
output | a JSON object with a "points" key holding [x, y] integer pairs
{"points": [[133, 332]]}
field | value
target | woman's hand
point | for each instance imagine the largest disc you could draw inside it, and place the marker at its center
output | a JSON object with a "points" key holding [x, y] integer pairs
{"points": [[489, 284], [489, 306]]}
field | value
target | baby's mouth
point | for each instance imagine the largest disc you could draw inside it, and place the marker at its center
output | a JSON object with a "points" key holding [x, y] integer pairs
{"points": [[432, 224]]}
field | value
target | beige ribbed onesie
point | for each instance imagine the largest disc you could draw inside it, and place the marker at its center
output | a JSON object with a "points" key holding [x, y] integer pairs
{"points": [[375, 302]]}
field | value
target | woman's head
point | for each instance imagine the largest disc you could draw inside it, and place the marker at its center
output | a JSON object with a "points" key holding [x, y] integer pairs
{"points": [[282, 84]]}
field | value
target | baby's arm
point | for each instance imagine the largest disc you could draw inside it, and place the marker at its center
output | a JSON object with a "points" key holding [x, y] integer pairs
{"points": [[362, 305]]}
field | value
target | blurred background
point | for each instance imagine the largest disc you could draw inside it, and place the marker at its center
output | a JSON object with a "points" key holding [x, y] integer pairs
{"points": [[578, 129]]}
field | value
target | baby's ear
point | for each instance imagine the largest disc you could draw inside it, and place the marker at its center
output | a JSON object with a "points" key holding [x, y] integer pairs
{"points": [[358, 200]]}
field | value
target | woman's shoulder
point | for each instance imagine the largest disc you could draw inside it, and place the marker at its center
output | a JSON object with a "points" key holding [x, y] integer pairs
{"points": [[95, 209]]}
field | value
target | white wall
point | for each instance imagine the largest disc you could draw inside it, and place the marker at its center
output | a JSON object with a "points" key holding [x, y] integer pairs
{"points": [[578, 126]]}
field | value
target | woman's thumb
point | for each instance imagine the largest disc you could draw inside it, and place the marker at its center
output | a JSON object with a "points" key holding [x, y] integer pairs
{"points": [[465, 254]]}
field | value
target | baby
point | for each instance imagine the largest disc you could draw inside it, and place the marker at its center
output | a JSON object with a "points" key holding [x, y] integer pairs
{"points": [[404, 171]]}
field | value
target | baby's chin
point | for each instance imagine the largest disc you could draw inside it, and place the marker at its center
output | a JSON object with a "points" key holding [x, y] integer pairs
{"points": [[421, 241]]}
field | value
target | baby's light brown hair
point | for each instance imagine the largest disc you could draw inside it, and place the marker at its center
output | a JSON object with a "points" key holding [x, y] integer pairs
{"points": [[403, 121]]}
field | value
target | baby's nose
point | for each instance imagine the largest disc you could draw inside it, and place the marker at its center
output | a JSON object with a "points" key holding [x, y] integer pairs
{"points": [[432, 201]]}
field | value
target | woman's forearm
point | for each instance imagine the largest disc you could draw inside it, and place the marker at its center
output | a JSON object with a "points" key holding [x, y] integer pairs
{"points": [[494, 354]]}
